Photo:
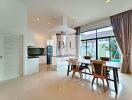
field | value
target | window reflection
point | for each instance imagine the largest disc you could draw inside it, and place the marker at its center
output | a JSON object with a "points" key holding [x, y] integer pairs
{"points": [[100, 43]]}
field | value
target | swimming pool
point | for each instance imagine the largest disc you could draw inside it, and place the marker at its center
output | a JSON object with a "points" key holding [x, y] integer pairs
{"points": [[115, 60]]}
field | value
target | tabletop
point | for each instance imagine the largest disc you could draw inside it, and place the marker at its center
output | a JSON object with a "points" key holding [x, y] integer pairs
{"points": [[109, 64]]}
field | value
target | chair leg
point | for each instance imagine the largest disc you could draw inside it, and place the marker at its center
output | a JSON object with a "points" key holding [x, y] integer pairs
{"points": [[103, 84], [107, 82], [81, 76], [89, 70], [93, 81], [117, 76], [97, 80], [85, 72], [73, 74]]}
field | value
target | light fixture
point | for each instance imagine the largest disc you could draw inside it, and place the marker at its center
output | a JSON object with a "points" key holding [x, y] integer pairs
{"points": [[49, 23], [37, 18], [63, 27], [73, 17], [108, 1]]}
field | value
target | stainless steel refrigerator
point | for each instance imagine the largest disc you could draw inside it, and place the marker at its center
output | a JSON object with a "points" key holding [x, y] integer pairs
{"points": [[49, 54]]}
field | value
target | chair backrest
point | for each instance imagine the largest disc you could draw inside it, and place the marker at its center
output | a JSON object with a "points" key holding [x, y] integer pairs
{"points": [[97, 67], [87, 57], [105, 58], [73, 63]]}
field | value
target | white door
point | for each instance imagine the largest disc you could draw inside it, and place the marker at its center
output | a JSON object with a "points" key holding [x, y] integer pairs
{"points": [[1, 57], [10, 56]]}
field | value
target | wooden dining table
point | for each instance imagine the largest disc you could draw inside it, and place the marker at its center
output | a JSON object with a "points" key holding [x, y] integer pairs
{"points": [[114, 66]]}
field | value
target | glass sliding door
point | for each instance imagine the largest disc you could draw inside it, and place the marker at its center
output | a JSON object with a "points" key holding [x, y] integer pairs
{"points": [[91, 48], [103, 37], [100, 43], [105, 32], [114, 50], [90, 43], [83, 49], [103, 47]]}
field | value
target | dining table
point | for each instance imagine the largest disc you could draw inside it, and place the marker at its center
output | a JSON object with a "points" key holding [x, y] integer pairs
{"points": [[114, 66]]}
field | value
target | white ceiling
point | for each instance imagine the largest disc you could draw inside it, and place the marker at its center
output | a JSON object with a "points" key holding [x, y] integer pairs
{"points": [[83, 11]]}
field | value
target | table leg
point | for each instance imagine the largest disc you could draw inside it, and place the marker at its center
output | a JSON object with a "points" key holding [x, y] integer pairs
{"points": [[68, 69], [115, 80], [117, 76]]}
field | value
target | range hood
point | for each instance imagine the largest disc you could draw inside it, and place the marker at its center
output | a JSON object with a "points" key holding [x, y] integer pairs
{"points": [[63, 28]]}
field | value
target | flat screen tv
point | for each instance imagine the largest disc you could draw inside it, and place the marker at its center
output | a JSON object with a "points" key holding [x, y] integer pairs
{"points": [[35, 51]]}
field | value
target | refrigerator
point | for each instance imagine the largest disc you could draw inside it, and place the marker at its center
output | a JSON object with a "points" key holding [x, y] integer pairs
{"points": [[49, 54]]}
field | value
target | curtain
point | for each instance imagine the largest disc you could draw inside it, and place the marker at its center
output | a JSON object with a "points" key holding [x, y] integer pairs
{"points": [[77, 40], [122, 28]]}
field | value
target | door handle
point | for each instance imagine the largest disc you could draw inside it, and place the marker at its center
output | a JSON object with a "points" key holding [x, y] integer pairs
{"points": [[1, 56]]}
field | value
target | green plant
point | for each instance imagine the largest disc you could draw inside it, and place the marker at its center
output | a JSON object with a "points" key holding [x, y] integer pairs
{"points": [[114, 49]]}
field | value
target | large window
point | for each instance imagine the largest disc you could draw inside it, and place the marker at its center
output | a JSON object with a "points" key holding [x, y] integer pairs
{"points": [[103, 47], [99, 43], [83, 48], [91, 48]]}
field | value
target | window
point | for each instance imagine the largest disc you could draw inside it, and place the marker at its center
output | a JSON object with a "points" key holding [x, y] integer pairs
{"points": [[105, 32], [100, 43], [83, 48], [103, 48], [114, 50], [91, 49], [88, 35]]}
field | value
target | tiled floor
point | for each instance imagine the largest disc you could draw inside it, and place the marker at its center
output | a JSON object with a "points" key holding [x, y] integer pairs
{"points": [[51, 85]]}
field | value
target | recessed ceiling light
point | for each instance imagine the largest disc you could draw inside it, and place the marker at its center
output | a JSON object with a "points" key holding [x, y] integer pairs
{"points": [[37, 18], [49, 23], [73, 17], [108, 1]]}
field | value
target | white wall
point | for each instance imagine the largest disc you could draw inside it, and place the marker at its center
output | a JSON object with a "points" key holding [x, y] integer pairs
{"points": [[39, 40], [13, 19], [27, 41], [1, 58], [95, 25], [13, 16]]}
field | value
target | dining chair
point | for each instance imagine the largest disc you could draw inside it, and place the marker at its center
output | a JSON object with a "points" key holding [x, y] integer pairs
{"points": [[87, 57], [99, 71], [86, 66], [106, 59], [75, 67], [108, 69]]}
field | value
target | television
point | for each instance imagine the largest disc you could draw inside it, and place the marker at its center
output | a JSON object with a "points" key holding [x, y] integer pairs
{"points": [[35, 52]]}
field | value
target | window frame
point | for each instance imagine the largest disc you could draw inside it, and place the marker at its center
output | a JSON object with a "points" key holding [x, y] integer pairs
{"points": [[97, 38]]}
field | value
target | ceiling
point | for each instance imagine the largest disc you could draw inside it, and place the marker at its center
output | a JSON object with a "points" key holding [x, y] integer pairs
{"points": [[78, 12]]}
